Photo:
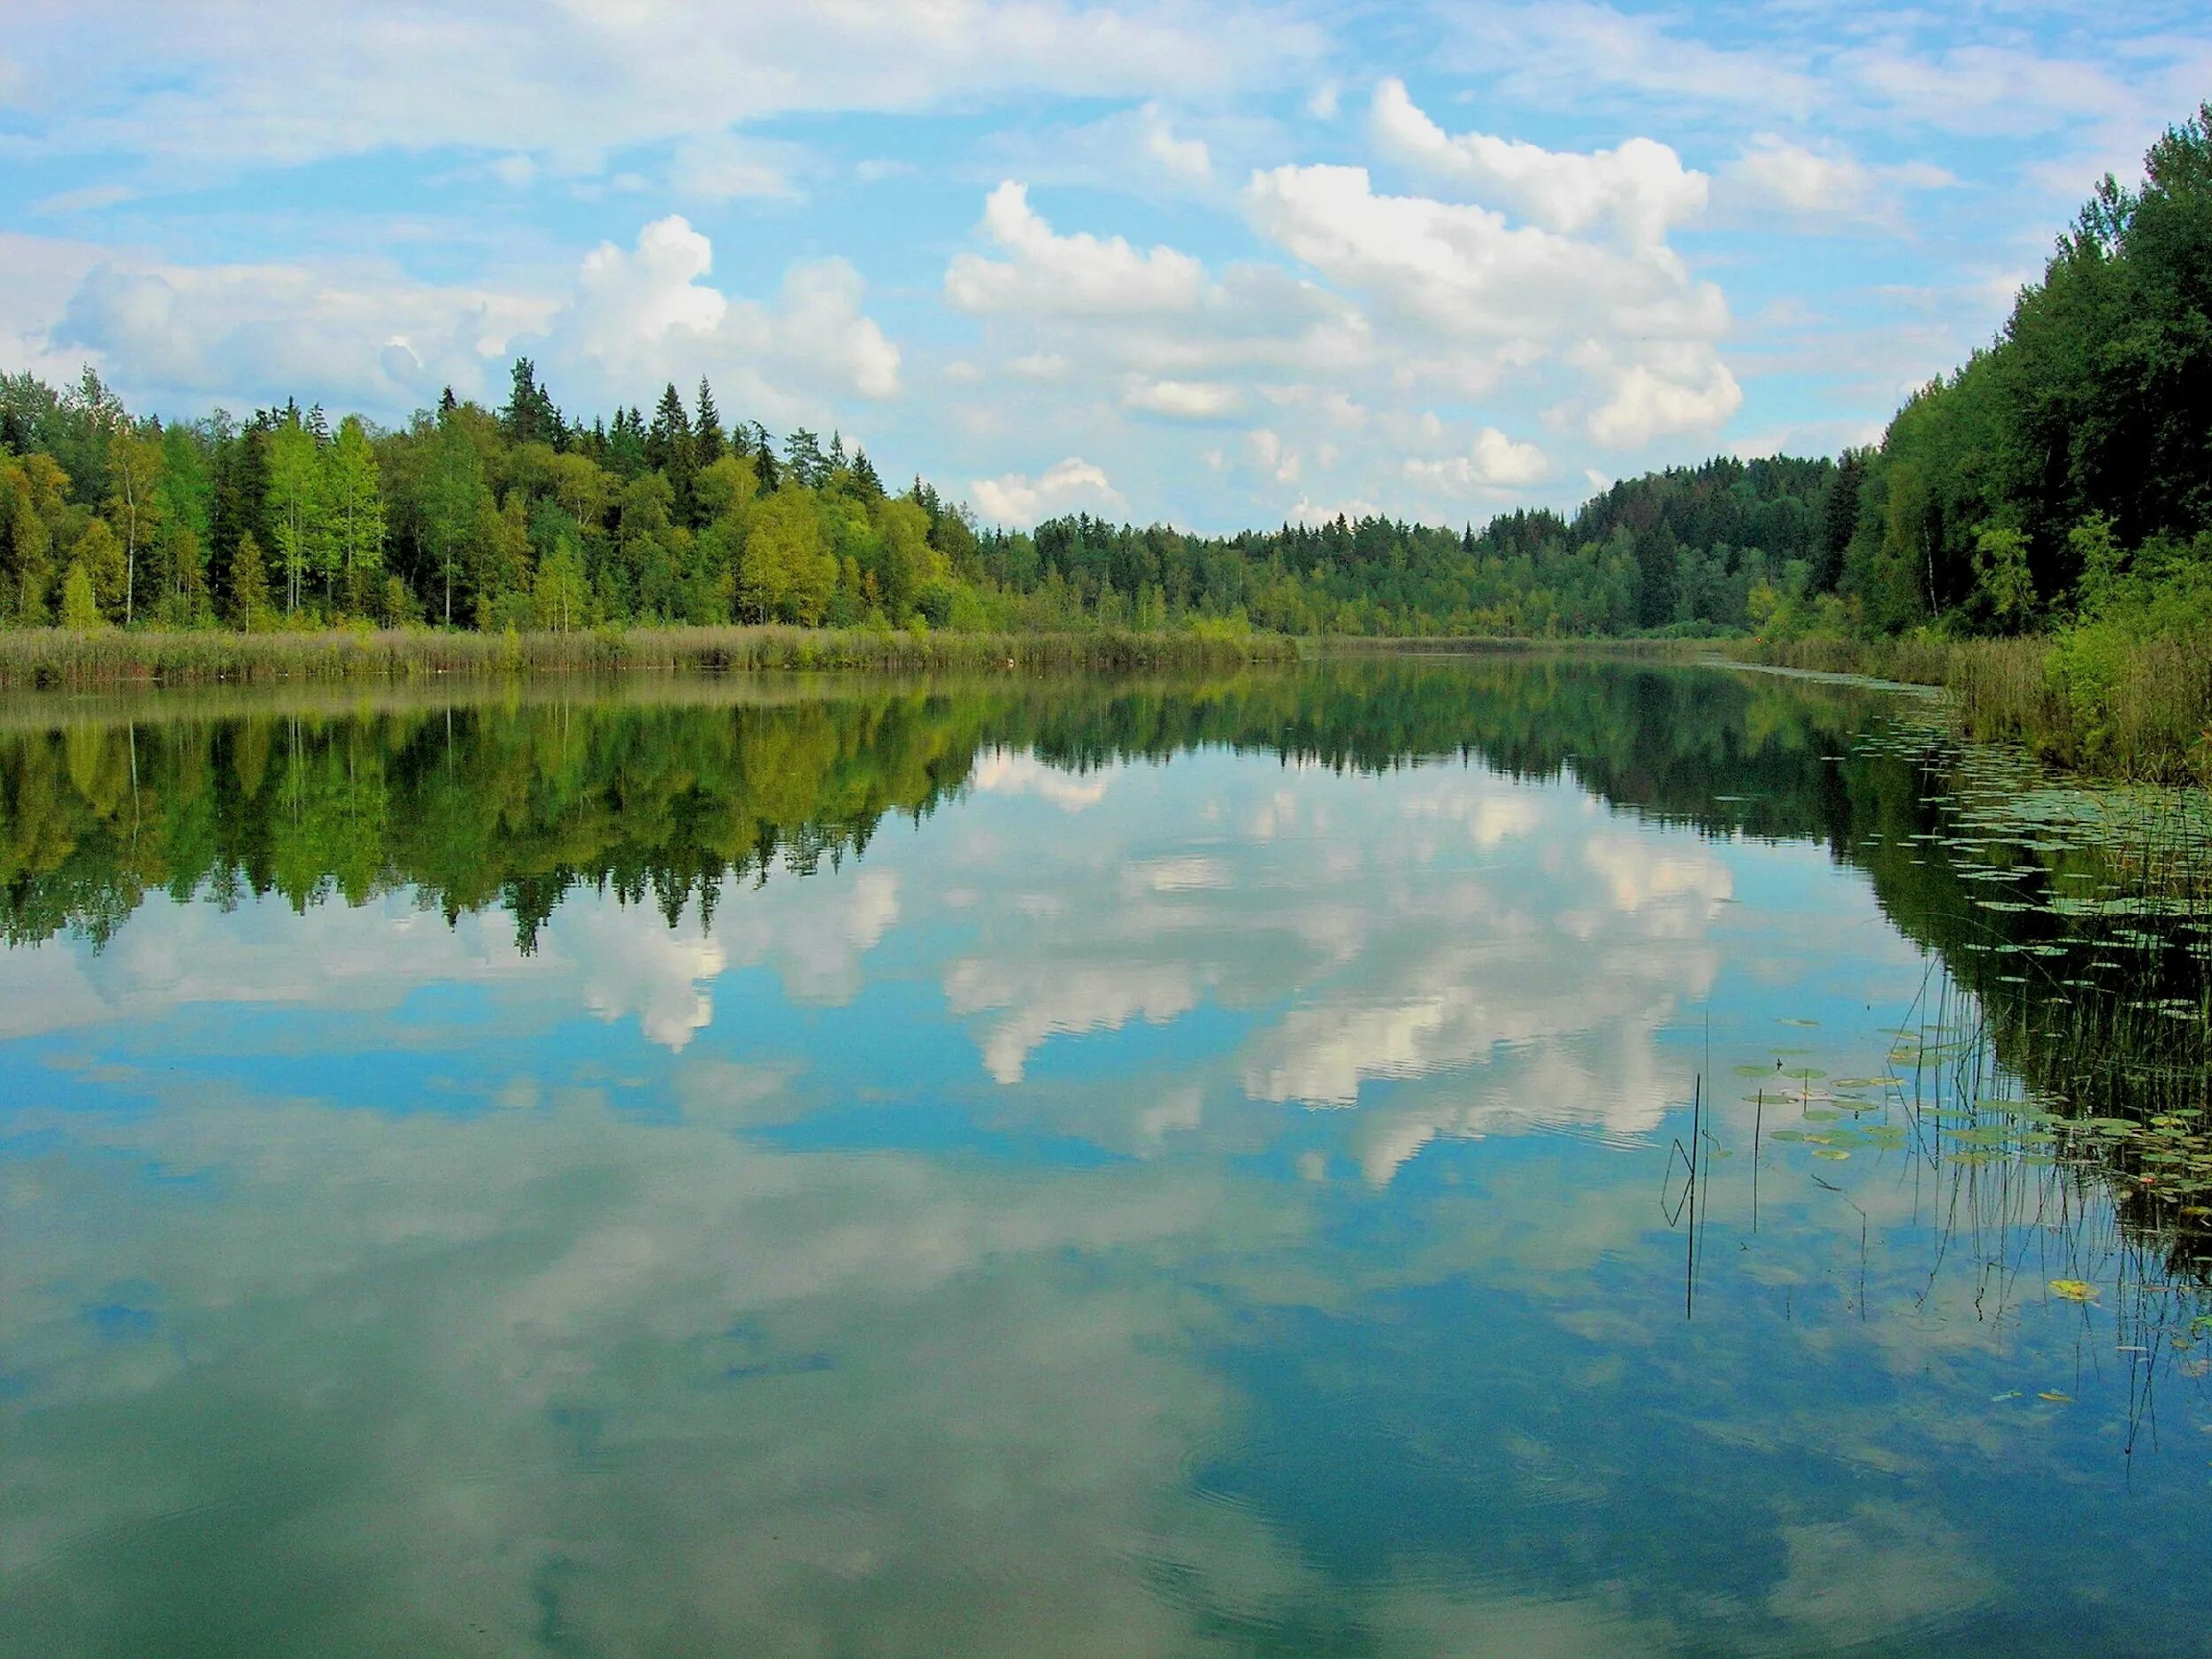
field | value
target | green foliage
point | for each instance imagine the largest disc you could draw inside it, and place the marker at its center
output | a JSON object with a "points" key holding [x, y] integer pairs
{"points": [[249, 585], [2001, 582], [80, 607], [2011, 490]]}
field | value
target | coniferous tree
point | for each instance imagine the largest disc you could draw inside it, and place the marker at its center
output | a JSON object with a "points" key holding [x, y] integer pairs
{"points": [[709, 441], [765, 458], [802, 457], [669, 450], [530, 415]]}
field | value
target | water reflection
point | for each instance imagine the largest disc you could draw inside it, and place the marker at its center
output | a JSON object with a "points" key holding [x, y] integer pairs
{"points": [[1026, 1167]]}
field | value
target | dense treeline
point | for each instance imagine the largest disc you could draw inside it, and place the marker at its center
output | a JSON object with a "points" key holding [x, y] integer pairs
{"points": [[521, 518], [1704, 549], [2062, 479], [515, 518], [2036, 530]]}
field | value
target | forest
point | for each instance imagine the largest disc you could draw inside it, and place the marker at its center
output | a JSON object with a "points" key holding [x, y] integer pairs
{"points": [[2059, 482], [524, 518]]}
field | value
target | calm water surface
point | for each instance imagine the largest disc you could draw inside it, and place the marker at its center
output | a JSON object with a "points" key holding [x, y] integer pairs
{"points": [[1023, 1168]]}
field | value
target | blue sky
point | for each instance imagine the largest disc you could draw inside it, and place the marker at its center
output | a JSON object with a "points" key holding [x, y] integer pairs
{"points": [[1221, 265]]}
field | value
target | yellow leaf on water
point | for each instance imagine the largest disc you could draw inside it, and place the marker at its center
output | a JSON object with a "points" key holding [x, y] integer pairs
{"points": [[2056, 1398], [2074, 1289]]}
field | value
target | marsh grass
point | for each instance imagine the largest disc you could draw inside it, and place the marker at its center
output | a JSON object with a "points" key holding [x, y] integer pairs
{"points": [[2115, 707], [64, 658]]}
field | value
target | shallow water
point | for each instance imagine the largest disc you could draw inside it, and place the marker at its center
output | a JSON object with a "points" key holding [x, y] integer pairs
{"points": [[1022, 1167]]}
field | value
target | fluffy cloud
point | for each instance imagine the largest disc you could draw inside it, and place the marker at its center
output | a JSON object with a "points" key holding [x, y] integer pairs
{"points": [[1640, 189], [1463, 271], [1494, 462], [1627, 313], [1069, 275], [644, 315], [363, 334], [1067, 486], [1661, 390], [348, 334]]}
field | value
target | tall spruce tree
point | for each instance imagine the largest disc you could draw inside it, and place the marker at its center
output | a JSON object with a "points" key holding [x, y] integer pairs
{"points": [[708, 441]]}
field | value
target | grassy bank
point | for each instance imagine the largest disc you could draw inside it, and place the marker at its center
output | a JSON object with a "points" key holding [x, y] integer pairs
{"points": [[63, 658], [2139, 709]]}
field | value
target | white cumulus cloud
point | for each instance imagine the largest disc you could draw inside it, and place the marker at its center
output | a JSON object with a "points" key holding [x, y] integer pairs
{"points": [[1067, 486], [1640, 191], [1494, 461], [645, 314], [1080, 275]]}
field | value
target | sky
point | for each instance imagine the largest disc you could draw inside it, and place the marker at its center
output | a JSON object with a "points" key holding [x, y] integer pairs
{"points": [[1219, 265]]}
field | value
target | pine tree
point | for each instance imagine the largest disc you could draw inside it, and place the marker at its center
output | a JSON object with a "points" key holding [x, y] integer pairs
{"points": [[625, 444], [706, 428], [765, 460], [670, 433], [802, 454], [531, 416]]}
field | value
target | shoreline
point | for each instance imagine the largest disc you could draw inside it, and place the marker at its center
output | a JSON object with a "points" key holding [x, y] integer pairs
{"points": [[2144, 715], [58, 659]]}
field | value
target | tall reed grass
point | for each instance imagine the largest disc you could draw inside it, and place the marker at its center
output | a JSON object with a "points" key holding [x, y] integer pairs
{"points": [[61, 657], [2139, 709]]}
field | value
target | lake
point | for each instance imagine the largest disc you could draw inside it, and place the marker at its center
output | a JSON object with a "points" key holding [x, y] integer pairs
{"points": [[1411, 1157]]}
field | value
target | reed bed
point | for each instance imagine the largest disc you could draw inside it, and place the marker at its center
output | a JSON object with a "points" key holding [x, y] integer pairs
{"points": [[2139, 710], [61, 657]]}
